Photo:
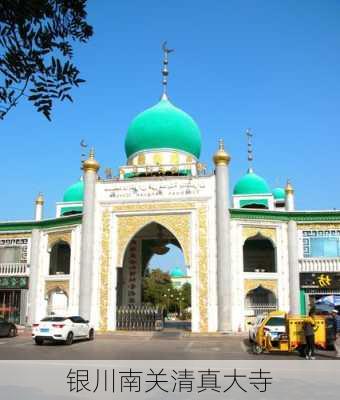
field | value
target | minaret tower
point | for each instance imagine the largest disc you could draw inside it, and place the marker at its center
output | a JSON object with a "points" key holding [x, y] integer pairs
{"points": [[224, 286], [90, 168], [290, 203], [39, 207]]}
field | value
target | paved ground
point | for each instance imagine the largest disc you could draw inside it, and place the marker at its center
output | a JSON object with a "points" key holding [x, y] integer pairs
{"points": [[168, 345]]}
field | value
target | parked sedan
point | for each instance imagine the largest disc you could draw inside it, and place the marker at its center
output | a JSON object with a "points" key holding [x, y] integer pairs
{"points": [[62, 329], [7, 328]]}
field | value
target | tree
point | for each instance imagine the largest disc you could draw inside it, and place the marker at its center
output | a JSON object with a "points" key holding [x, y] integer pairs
{"points": [[186, 295], [36, 38], [156, 284]]}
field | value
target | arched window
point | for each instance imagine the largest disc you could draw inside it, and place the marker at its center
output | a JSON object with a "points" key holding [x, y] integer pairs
{"points": [[57, 303], [260, 296], [259, 254], [60, 259]]}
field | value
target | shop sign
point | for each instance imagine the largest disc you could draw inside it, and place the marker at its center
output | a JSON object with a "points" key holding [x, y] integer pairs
{"points": [[324, 280], [14, 282]]}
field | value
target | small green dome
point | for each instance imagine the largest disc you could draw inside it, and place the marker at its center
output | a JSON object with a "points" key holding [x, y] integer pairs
{"points": [[163, 126], [75, 192], [251, 183], [279, 193], [177, 273]]}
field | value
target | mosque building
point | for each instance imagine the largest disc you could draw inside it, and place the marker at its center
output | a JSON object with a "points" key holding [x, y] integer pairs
{"points": [[246, 252]]}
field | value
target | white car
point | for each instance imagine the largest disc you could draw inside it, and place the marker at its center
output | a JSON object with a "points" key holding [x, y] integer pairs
{"points": [[274, 327], [65, 329]]}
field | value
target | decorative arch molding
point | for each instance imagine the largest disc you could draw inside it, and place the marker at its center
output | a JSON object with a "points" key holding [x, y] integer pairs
{"points": [[60, 236], [51, 286], [251, 284], [268, 233], [129, 225]]}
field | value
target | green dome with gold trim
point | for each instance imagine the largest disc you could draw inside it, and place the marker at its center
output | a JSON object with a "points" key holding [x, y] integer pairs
{"points": [[251, 183], [163, 126]]}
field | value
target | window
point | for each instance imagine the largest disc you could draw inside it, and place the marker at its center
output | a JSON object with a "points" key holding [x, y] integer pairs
{"points": [[259, 255], [77, 320], [276, 321], [321, 244], [53, 319], [60, 259], [10, 254]]}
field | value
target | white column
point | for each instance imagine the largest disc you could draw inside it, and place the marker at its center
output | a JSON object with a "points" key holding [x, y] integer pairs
{"points": [[224, 279], [39, 208], [90, 168], [34, 275], [294, 278]]}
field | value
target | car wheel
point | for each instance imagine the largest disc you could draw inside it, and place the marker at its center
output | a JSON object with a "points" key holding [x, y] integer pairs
{"points": [[39, 341], [69, 339], [12, 332], [257, 349], [91, 334]]}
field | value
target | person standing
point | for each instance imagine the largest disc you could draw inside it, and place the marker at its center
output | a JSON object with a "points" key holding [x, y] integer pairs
{"points": [[336, 336], [309, 331]]}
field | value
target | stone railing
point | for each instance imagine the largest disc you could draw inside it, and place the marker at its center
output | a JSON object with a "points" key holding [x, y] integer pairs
{"points": [[319, 264], [14, 269]]}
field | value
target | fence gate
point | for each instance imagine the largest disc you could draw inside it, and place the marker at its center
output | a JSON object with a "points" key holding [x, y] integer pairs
{"points": [[139, 318]]}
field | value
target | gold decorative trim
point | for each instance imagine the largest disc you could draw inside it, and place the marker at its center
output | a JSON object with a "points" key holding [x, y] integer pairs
{"points": [[129, 225], [157, 158], [203, 269], [54, 237], [319, 226], [17, 235], [53, 285], [141, 159], [175, 158], [153, 207], [249, 232], [104, 270], [270, 284]]}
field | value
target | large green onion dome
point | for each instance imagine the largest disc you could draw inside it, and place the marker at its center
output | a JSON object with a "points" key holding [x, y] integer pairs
{"points": [[75, 192], [279, 193], [251, 183], [163, 126]]}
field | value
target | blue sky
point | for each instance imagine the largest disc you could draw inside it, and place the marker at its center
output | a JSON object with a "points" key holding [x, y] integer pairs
{"points": [[272, 66]]}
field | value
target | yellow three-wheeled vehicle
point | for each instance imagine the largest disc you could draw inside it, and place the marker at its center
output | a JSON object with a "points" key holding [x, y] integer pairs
{"points": [[293, 338]]}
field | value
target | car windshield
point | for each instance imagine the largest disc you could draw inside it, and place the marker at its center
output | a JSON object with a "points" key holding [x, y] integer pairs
{"points": [[275, 322], [53, 319]]}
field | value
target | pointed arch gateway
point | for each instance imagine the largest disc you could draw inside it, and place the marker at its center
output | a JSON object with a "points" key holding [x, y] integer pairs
{"points": [[188, 224], [129, 225], [151, 239]]}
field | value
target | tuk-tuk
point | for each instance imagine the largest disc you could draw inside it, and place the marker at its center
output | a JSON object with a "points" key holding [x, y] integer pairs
{"points": [[293, 338]]}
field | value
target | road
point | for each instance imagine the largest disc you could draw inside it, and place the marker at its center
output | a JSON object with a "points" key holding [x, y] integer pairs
{"points": [[169, 345]]}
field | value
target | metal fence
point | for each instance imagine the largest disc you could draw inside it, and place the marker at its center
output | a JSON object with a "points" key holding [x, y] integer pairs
{"points": [[139, 318], [253, 310]]}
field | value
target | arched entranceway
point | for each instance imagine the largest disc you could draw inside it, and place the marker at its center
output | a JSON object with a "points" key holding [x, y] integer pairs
{"points": [[142, 289], [259, 301], [57, 302]]}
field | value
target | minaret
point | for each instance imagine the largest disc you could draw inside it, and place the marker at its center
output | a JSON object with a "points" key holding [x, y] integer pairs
{"points": [[224, 286], [293, 257], [290, 203], [39, 207], [90, 168]]}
